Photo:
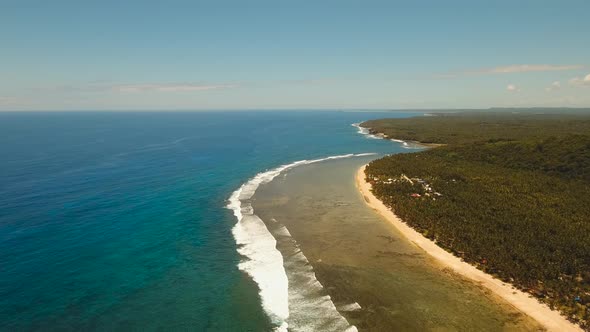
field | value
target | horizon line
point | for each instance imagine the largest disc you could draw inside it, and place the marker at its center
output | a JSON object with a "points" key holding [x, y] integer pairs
{"points": [[302, 109]]}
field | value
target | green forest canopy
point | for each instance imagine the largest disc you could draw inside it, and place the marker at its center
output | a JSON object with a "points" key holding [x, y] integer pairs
{"points": [[515, 196], [451, 128]]}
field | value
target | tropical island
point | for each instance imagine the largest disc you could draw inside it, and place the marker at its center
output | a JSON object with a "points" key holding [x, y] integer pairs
{"points": [[507, 193]]}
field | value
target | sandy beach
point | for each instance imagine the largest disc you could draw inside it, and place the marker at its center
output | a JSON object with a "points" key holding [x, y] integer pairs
{"points": [[376, 278], [550, 319]]}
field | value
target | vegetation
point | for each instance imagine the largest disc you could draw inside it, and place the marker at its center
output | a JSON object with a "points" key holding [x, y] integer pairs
{"points": [[451, 128], [509, 194]]}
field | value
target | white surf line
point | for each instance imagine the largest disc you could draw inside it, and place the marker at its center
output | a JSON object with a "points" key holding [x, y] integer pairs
{"points": [[365, 132], [310, 308], [263, 262]]}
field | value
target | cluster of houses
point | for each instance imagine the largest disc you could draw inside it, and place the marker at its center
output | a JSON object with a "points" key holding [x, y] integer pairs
{"points": [[428, 191]]}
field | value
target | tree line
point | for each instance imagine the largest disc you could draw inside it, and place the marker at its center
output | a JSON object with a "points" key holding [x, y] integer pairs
{"points": [[515, 205]]}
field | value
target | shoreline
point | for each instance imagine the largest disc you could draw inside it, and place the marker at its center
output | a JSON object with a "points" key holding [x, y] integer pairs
{"points": [[376, 278], [415, 143], [552, 320], [263, 261], [375, 135]]}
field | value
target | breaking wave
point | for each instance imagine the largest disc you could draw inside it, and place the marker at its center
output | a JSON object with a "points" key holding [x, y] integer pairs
{"points": [[364, 131], [264, 262]]}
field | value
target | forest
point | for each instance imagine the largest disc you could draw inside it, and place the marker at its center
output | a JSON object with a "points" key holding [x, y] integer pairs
{"points": [[469, 127], [509, 194]]}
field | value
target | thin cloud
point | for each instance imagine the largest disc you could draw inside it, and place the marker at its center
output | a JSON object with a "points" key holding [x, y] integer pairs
{"points": [[527, 68], [512, 88], [8, 101], [99, 87], [524, 68], [134, 88], [310, 81], [554, 86], [577, 81]]}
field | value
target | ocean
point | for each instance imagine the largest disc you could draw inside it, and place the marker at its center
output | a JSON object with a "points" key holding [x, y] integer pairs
{"points": [[128, 220]]}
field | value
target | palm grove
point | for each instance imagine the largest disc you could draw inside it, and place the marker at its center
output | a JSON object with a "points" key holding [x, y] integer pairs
{"points": [[508, 193]]}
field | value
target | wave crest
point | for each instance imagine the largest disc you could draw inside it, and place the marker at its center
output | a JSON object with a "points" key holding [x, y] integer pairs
{"points": [[364, 131], [263, 261]]}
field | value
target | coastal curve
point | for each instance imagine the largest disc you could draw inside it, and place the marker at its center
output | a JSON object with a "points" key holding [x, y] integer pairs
{"points": [[550, 319], [263, 262]]}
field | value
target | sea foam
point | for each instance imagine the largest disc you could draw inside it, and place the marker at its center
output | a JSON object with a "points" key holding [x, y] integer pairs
{"points": [[262, 260], [364, 131], [367, 133]]}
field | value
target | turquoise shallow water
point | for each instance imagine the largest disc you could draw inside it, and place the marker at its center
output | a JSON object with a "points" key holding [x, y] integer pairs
{"points": [[117, 221]]}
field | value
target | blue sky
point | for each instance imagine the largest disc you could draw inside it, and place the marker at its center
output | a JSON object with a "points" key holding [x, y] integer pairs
{"points": [[128, 55]]}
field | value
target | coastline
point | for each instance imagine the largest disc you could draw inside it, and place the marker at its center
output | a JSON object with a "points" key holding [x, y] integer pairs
{"points": [[264, 262], [552, 320], [408, 144], [376, 278]]}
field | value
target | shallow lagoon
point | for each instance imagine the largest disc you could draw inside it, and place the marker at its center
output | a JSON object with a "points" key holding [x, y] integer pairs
{"points": [[360, 258]]}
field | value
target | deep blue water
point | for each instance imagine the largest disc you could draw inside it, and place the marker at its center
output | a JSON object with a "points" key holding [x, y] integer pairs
{"points": [[117, 221]]}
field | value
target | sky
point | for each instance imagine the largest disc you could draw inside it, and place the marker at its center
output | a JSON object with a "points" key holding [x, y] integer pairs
{"points": [[217, 54]]}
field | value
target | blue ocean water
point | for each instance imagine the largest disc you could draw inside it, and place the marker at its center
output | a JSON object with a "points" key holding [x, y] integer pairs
{"points": [[117, 220]]}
